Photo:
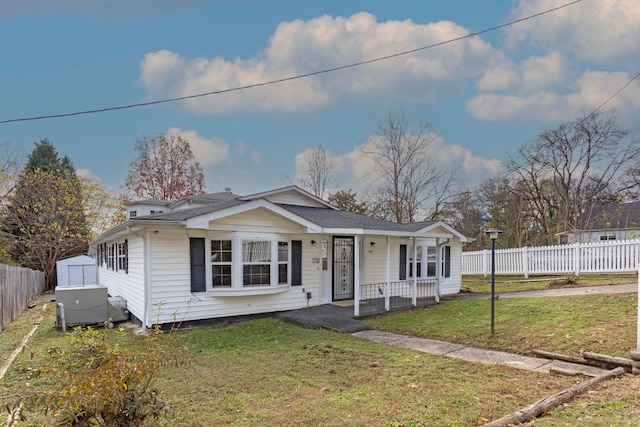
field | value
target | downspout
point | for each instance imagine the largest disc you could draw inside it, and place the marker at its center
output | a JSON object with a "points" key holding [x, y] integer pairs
{"points": [[147, 281], [97, 262]]}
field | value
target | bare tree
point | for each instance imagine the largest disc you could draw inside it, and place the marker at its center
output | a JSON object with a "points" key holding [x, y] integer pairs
{"points": [[406, 174], [10, 165], [101, 206], [567, 169], [317, 169], [165, 169]]}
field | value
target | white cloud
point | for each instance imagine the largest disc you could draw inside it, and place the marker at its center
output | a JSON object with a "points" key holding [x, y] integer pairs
{"points": [[208, 151], [85, 173], [596, 30], [357, 170], [253, 156], [589, 91], [300, 47]]}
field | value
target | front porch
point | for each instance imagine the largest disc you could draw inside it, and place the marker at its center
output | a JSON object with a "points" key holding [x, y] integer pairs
{"points": [[376, 298]]}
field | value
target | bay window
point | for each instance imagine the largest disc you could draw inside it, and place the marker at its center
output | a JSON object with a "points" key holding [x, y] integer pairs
{"points": [[283, 263], [246, 266], [221, 257], [256, 263]]}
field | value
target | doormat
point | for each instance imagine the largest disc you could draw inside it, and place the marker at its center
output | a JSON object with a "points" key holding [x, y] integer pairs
{"points": [[347, 303]]}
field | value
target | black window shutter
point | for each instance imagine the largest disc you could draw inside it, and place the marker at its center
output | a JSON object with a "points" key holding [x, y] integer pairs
{"points": [[403, 262], [296, 262], [126, 256], [447, 261], [198, 273]]}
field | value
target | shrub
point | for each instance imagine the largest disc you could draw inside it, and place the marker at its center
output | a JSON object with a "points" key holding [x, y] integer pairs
{"points": [[102, 383]]}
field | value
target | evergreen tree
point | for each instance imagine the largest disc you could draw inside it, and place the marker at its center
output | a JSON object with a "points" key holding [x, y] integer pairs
{"points": [[44, 157], [45, 219]]}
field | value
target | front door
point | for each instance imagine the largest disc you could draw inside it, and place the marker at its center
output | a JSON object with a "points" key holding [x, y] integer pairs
{"points": [[342, 268]]}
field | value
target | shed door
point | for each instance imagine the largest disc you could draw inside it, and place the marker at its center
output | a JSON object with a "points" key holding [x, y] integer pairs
{"points": [[76, 275], [81, 275], [342, 268]]}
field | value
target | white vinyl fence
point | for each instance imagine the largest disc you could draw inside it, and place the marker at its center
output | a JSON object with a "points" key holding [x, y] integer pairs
{"points": [[577, 258]]}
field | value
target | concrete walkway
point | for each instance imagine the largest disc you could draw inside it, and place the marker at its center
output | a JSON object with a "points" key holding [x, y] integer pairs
{"points": [[341, 319], [472, 354]]}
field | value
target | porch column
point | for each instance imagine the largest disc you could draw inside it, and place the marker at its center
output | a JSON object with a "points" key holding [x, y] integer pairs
{"points": [[414, 273], [356, 276], [438, 268], [387, 276]]}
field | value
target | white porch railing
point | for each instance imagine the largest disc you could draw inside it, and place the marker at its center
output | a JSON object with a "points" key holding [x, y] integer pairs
{"points": [[577, 258], [381, 297]]}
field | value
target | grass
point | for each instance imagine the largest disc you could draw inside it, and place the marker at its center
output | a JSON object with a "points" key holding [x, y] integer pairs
{"points": [[569, 325], [266, 372], [482, 284]]}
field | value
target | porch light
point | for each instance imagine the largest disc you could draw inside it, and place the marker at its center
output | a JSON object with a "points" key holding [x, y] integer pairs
{"points": [[493, 235], [372, 243], [313, 242]]}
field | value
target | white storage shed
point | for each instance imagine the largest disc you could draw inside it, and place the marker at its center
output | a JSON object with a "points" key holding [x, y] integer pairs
{"points": [[76, 271]]}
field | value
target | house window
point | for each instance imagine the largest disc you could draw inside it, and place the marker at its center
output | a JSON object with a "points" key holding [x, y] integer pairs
{"points": [[123, 256], [446, 261], [418, 261], [133, 214], [431, 261], [156, 212], [111, 260], [607, 237], [221, 257], [283, 263], [256, 263]]}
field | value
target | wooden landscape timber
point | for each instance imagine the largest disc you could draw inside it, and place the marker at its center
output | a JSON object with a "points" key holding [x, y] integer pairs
{"points": [[590, 359], [546, 404]]}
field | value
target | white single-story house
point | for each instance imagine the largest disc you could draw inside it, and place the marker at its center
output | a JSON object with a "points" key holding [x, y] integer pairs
{"points": [[614, 221], [76, 271], [223, 255]]}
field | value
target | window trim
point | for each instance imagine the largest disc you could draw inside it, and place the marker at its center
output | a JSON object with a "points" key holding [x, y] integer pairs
{"points": [[237, 264]]}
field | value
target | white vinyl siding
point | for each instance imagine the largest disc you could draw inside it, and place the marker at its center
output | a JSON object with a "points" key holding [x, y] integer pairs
{"points": [[452, 284], [129, 286], [172, 300]]}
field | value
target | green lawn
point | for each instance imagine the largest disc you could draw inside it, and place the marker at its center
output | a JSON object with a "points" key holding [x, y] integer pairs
{"points": [[266, 372]]}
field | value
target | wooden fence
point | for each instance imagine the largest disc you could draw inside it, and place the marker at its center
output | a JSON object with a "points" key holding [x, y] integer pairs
{"points": [[577, 258], [18, 286]]}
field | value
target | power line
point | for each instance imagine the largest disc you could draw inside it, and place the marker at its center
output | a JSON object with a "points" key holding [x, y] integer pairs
{"points": [[285, 79], [616, 94]]}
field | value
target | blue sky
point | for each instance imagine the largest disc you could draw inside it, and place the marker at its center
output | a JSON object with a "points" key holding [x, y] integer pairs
{"points": [[485, 95]]}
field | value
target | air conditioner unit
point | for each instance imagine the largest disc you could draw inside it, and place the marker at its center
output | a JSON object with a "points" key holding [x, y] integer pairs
{"points": [[83, 305]]}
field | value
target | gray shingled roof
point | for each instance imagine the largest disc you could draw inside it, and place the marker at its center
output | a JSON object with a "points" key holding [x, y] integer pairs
{"points": [[183, 214], [329, 218], [614, 215], [324, 217]]}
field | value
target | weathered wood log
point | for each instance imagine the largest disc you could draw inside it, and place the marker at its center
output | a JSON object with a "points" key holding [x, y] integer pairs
{"points": [[563, 357], [544, 405], [635, 357], [563, 371], [610, 361]]}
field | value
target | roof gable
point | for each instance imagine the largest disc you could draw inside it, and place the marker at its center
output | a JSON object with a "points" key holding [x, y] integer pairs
{"points": [[292, 195]]}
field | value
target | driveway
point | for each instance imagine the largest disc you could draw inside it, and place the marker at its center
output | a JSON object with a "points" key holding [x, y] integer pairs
{"points": [[557, 292]]}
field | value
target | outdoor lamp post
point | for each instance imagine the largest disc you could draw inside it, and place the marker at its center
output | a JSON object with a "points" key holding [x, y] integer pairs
{"points": [[493, 235]]}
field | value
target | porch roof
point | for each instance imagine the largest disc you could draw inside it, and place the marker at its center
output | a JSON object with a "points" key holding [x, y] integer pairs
{"points": [[329, 218]]}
